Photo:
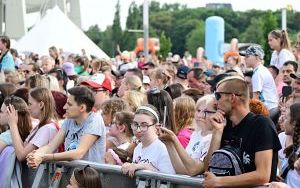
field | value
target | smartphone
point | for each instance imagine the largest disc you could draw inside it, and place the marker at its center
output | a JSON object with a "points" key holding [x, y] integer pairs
{"points": [[197, 70], [286, 91]]}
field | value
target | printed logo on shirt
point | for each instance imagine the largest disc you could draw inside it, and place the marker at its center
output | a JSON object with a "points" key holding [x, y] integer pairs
{"points": [[246, 158], [140, 160], [196, 145]]}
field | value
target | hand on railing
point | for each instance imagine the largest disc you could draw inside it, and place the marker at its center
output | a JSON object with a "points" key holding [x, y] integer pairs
{"points": [[129, 169], [34, 159]]}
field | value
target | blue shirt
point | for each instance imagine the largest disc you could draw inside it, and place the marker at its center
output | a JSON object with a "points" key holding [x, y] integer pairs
{"points": [[7, 62]]}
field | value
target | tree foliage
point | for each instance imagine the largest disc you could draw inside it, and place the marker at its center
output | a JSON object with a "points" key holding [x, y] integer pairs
{"points": [[182, 26]]}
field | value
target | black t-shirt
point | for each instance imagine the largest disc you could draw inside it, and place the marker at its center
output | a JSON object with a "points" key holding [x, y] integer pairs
{"points": [[253, 134]]}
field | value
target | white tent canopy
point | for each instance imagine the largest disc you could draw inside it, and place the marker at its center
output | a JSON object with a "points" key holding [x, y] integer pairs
{"points": [[56, 29]]}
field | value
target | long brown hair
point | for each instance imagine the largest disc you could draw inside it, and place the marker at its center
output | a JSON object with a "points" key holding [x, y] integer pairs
{"points": [[87, 177], [291, 151], [24, 120], [48, 112]]}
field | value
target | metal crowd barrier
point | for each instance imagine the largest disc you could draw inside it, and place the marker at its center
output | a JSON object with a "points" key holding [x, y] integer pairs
{"points": [[57, 174]]}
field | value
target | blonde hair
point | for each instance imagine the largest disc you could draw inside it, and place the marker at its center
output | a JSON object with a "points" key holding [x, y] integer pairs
{"points": [[134, 83], [204, 100], [283, 36], [161, 74], [134, 99], [184, 110]]}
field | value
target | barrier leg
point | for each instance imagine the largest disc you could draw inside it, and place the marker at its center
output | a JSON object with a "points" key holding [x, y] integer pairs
{"points": [[39, 176]]}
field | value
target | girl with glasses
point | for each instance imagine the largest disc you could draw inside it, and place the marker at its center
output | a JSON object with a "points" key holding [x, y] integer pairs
{"points": [[150, 153]]}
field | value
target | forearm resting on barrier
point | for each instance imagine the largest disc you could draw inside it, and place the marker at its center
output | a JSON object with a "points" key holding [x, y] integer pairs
{"points": [[85, 144], [192, 167]]}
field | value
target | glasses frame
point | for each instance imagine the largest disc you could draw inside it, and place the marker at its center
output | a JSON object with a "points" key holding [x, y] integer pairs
{"points": [[136, 127], [218, 94]]}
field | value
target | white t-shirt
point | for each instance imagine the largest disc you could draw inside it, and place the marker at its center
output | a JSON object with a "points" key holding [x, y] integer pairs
{"points": [[198, 145], [155, 154], [278, 59], [263, 82], [293, 179], [282, 139]]}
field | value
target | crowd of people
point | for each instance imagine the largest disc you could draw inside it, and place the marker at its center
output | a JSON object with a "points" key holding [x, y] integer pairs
{"points": [[237, 124]]}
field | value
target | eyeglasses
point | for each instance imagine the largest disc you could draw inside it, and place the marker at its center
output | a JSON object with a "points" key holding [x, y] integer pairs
{"points": [[98, 91], [142, 126], [204, 113], [218, 95]]}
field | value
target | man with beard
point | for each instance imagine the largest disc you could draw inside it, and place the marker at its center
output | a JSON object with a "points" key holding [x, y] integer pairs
{"points": [[256, 137]]}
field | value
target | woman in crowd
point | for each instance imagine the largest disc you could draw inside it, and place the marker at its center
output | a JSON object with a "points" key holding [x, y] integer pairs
{"points": [[190, 160], [279, 42], [53, 52], [150, 153], [23, 125], [86, 177], [134, 99], [184, 110], [130, 83], [175, 90], [42, 107], [161, 100], [159, 78]]}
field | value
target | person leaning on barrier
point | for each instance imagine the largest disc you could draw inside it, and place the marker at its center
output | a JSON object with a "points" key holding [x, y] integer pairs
{"points": [[253, 135], [83, 132], [150, 154]]}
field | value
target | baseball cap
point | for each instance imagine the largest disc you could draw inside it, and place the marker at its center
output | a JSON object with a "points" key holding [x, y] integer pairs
{"points": [[218, 78], [98, 81], [149, 63], [175, 58], [182, 71], [295, 75], [254, 50], [68, 67]]}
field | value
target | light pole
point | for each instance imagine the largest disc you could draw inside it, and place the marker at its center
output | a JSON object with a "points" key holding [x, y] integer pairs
{"points": [[146, 27]]}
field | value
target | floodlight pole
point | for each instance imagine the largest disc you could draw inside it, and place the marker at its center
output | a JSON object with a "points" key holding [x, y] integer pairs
{"points": [[283, 19], [146, 27]]}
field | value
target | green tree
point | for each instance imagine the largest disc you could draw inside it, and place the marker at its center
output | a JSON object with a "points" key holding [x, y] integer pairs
{"points": [[94, 34], [116, 28], [165, 45], [196, 38], [254, 32], [134, 21], [270, 23]]}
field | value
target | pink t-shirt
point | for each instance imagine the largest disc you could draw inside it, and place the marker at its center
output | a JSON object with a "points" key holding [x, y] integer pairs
{"points": [[43, 135], [184, 136]]}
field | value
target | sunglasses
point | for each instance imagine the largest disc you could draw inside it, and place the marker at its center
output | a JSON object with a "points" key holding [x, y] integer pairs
{"points": [[218, 95]]}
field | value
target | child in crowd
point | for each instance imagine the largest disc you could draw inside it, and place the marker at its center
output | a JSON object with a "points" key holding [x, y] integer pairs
{"points": [[184, 110], [150, 153], [87, 177]]}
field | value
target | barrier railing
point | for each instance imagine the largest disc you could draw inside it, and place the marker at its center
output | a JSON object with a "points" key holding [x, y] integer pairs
{"points": [[57, 174]]}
